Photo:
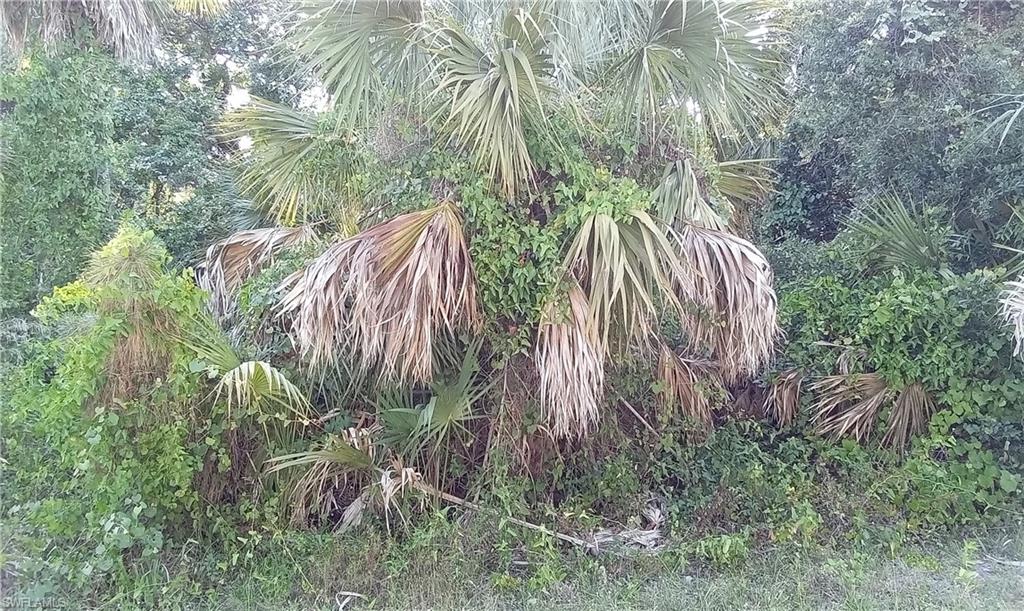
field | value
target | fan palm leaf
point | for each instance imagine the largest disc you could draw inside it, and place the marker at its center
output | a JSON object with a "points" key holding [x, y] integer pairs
{"points": [[783, 397], [680, 197], [235, 259], [626, 269], [129, 27], [909, 416], [490, 99], [686, 386], [703, 52], [730, 283], [896, 233], [383, 295], [298, 167], [848, 405], [569, 357], [362, 51]]}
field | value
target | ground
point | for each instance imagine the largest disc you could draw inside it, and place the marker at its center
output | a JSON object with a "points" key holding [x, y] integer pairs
{"points": [[327, 572]]}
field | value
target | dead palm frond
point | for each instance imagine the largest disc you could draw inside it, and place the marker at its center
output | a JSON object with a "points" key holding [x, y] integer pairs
{"points": [[1012, 311], [491, 98], [626, 268], [730, 283], [783, 397], [705, 53], [129, 27], [235, 259], [689, 385], [909, 416], [569, 357], [299, 165], [898, 234], [848, 405], [383, 295]]}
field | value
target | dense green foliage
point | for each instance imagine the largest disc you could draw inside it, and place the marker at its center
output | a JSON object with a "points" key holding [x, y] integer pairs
{"points": [[56, 187], [897, 97]]}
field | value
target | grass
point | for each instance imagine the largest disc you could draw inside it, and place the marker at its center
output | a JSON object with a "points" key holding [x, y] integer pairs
{"points": [[443, 565]]}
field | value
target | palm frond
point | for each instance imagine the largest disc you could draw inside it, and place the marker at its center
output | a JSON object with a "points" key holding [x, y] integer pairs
{"points": [[299, 165], [249, 386], [235, 259], [383, 295], [897, 234], [569, 357], [339, 464], [626, 269], [730, 283], [909, 416], [490, 99], [702, 52], [363, 51], [848, 405], [680, 198], [129, 27], [746, 181], [687, 386], [1012, 311], [1013, 106], [202, 8], [783, 397]]}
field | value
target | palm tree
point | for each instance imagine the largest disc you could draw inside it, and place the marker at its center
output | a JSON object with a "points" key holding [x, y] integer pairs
{"points": [[128, 27], [694, 82]]}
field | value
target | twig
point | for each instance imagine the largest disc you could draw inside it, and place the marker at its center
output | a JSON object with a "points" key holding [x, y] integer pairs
{"points": [[636, 413], [428, 489]]}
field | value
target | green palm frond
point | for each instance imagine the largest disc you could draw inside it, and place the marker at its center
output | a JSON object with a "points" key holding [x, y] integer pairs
{"points": [[249, 386], [1012, 106], [681, 198], [895, 233], [364, 51], [299, 166], [489, 100], [702, 52], [626, 269], [746, 181]]}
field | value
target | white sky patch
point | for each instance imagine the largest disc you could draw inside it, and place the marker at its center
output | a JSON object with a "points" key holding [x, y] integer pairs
{"points": [[238, 97], [245, 143], [315, 99], [195, 79]]}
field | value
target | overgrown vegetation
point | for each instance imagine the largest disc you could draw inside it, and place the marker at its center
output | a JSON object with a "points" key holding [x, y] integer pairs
{"points": [[577, 289]]}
